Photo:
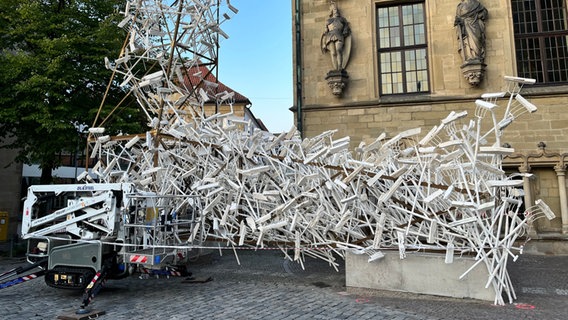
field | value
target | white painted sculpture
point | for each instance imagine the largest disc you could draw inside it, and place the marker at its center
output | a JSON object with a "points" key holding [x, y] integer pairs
{"points": [[442, 190]]}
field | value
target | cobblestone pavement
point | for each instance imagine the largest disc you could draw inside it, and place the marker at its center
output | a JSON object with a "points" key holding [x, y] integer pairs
{"points": [[265, 286]]}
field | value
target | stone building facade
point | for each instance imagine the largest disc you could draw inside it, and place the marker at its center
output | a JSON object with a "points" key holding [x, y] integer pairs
{"points": [[408, 67]]}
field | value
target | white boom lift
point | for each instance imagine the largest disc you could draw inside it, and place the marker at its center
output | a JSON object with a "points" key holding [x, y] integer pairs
{"points": [[117, 226]]}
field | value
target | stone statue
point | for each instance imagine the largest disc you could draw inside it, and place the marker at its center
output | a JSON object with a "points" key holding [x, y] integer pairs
{"points": [[336, 38], [470, 23]]}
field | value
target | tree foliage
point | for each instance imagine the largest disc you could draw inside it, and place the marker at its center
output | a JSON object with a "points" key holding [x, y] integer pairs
{"points": [[52, 74]]}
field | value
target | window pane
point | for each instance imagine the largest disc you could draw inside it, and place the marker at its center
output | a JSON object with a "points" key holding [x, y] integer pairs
{"points": [[528, 61], [556, 55], [524, 16], [418, 13], [410, 59], [396, 61], [395, 37], [423, 84], [385, 63], [408, 35], [421, 59], [552, 18], [383, 17], [415, 71], [384, 39], [397, 84], [419, 34], [407, 15], [386, 87], [393, 16]]}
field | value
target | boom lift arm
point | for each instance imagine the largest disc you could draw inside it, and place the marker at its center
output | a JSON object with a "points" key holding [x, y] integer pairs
{"points": [[92, 211]]}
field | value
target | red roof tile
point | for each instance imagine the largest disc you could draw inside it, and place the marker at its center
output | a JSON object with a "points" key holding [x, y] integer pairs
{"points": [[193, 77]]}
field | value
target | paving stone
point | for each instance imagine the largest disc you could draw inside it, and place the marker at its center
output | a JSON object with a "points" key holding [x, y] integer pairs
{"points": [[265, 290]]}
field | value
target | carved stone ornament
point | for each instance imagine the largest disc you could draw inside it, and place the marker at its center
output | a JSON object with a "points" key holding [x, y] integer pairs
{"points": [[473, 72], [337, 80]]}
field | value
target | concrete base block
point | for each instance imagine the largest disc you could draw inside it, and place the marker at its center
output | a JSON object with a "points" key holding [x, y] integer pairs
{"points": [[421, 273]]}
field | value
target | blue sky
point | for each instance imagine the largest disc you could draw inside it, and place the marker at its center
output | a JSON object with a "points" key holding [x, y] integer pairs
{"points": [[256, 60]]}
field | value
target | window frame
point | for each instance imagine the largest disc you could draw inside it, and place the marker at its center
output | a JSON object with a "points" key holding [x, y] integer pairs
{"points": [[403, 49], [540, 37]]}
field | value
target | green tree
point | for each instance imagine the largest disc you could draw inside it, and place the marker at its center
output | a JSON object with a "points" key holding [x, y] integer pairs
{"points": [[52, 74]]}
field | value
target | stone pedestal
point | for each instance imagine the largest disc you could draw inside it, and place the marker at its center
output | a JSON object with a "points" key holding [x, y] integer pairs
{"points": [[473, 71], [337, 80], [419, 273]]}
